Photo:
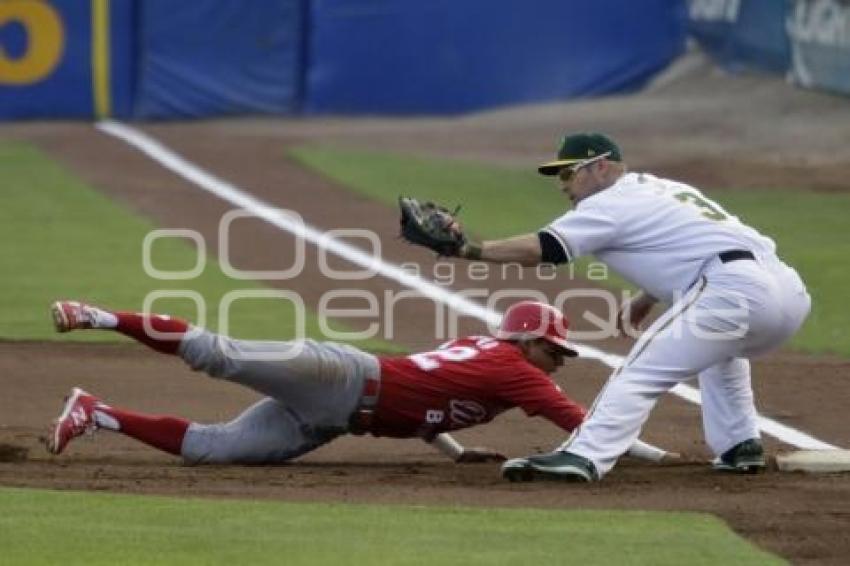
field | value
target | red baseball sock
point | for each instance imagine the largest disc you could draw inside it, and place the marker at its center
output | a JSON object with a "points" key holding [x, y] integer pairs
{"points": [[162, 432], [133, 325]]}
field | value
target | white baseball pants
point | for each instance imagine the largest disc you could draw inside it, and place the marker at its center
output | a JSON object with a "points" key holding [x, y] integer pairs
{"points": [[734, 311]]}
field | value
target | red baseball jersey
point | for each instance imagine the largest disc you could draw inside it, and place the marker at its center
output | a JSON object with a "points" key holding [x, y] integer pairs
{"points": [[464, 383]]}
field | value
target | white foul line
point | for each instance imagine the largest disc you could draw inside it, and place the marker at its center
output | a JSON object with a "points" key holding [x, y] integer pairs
{"points": [[232, 194]]}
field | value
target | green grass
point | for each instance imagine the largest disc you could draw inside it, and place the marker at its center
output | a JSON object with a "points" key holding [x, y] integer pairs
{"points": [[61, 239], [44, 527], [500, 202]]}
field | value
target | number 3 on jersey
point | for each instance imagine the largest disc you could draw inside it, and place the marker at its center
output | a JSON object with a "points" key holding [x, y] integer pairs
{"points": [[708, 209], [428, 361]]}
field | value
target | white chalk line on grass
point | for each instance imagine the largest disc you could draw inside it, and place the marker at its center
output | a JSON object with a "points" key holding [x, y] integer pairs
{"points": [[241, 199]]}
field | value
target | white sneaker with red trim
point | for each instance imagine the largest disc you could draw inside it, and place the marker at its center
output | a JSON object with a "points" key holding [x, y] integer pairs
{"points": [[77, 418], [71, 315]]}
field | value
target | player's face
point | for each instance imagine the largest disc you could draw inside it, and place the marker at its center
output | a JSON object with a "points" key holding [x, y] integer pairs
{"points": [[581, 179], [544, 355]]}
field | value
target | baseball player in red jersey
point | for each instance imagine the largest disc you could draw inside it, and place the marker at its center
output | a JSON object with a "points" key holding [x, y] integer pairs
{"points": [[317, 391]]}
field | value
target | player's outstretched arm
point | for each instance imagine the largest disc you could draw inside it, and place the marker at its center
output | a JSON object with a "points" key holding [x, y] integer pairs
{"points": [[524, 249], [446, 444]]}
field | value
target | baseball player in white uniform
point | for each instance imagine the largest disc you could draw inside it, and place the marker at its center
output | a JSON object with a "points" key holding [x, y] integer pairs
{"points": [[730, 298]]}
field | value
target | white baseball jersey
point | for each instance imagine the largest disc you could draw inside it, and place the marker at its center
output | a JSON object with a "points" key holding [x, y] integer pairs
{"points": [[657, 233]]}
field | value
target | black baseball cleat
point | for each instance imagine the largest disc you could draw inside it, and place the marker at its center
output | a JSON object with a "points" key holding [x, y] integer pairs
{"points": [[746, 457], [556, 466], [517, 470]]}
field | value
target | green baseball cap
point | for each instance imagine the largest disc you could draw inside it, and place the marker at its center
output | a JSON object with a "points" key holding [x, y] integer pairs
{"points": [[575, 148]]}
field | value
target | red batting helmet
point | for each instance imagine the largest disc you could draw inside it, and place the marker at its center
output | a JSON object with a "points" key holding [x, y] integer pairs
{"points": [[530, 319]]}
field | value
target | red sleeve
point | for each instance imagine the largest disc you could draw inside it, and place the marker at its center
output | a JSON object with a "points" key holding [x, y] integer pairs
{"points": [[536, 394]]}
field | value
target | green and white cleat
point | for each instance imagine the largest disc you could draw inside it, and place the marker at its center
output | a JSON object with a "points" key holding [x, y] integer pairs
{"points": [[746, 457]]}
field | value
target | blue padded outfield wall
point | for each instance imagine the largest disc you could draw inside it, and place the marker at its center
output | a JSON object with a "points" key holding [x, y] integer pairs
{"points": [[163, 59], [65, 59], [820, 44], [807, 39], [150, 58], [209, 57], [410, 56], [743, 33], [166, 59]]}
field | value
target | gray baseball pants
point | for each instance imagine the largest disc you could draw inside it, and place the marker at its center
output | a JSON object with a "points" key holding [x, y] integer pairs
{"points": [[311, 388]]}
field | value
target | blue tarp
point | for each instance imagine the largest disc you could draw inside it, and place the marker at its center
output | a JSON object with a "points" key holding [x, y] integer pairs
{"points": [[212, 57], [444, 56], [741, 34]]}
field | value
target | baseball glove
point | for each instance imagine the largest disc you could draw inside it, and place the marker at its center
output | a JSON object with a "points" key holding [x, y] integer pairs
{"points": [[432, 226]]}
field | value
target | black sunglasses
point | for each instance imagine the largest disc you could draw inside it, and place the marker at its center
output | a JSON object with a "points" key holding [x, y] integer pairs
{"points": [[569, 171]]}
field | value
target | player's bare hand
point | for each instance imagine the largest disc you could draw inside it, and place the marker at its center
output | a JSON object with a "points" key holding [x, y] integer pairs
{"points": [[634, 312], [480, 454]]}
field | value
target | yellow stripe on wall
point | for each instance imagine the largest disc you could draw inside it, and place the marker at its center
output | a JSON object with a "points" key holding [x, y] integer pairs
{"points": [[100, 58]]}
